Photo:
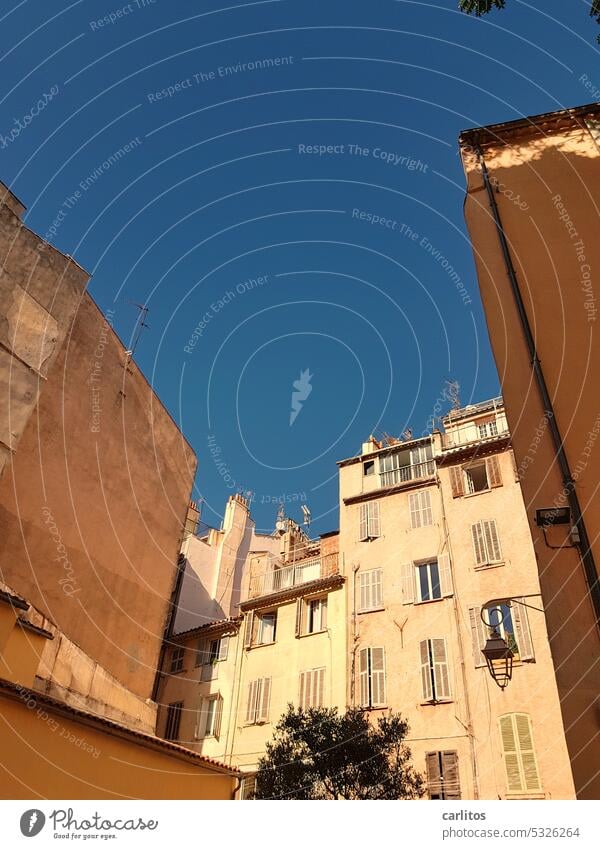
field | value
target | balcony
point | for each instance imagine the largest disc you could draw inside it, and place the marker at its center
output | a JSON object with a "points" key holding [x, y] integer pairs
{"points": [[404, 474], [293, 575], [474, 432]]}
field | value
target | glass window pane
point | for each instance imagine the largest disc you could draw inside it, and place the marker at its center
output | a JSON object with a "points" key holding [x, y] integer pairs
{"points": [[423, 583], [436, 590]]}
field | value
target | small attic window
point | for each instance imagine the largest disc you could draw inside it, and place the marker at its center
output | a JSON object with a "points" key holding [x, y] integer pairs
{"points": [[369, 468]]}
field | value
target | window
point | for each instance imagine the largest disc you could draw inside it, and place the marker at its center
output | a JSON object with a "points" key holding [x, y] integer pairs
{"points": [[427, 580], [267, 624], [372, 677], [435, 676], [177, 656], [259, 697], [369, 520], [487, 429], [248, 787], [173, 721], [311, 615], [442, 775], [369, 468], [421, 514], [478, 476], [209, 717], [210, 652], [312, 684], [486, 543], [519, 756], [514, 629], [370, 590]]}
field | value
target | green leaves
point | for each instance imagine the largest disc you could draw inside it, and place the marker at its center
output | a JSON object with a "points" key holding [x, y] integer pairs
{"points": [[480, 7], [320, 754]]}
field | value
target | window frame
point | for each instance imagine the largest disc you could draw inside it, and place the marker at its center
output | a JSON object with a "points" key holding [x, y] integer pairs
{"points": [[373, 586], [369, 521], [262, 618], [419, 513], [420, 564], [177, 659], [436, 781], [434, 669], [173, 721], [367, 675]]}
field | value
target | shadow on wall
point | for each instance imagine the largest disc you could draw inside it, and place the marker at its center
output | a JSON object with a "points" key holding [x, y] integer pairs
{"points": [[197, 607]]}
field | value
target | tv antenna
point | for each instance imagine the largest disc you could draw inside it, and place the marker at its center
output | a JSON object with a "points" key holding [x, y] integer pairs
{"points": [[139, 326], [306, 514]]}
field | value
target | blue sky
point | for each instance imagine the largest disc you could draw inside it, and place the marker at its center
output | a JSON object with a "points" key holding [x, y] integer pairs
{"points": [[231, 166]]}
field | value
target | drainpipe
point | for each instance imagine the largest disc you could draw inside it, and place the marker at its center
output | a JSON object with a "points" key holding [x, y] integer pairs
{"points": [[583, 545], [461, 648]]}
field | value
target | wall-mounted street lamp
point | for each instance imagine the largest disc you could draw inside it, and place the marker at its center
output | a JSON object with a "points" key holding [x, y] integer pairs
{"points": [[498, 654]]}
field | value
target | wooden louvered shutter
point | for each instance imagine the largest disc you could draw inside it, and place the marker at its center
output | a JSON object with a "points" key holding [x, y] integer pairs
{"points": [[377, 677], [299, 611], [263, 701], [522, 632], [434, 776], [202, 718], [479, 635], [302, 696], [218, 717], [492, 541], [364, 677], [426, 671], [441, 673], [445, 573], [364, 582], [457, 481], [511, 757], [363, 531], [408, 583], [479, 544], [251, 707], [376, 588], [450, 775], [426, 511], [249, 629], [320, 687], [324, 613], [529, 769], [374, 524], [223, 648], [492, 467]]}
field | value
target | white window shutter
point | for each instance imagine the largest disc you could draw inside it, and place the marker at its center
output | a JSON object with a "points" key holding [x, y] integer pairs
{"points": [[364, 677], [374, 523], [251, 706], [202, 717], [408, 583], [445, 573], [363, 532], [299, 605], [529, 768], [492, 542], [248, 629], [377, 677], [415, 512], [522, 632], [426, 671], [377, 588], [321, 688], [302, 698], [479, 544], [364, 585], [427, 512], [512, 763], [324, 613], [218, 717], [479, 635], [223, 648], [441, 673], [264, 700]]}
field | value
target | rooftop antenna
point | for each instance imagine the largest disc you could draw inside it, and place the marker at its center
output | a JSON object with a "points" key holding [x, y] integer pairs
{"points": [[139, 326], [453, 393], [280, 523], [306, 514]]}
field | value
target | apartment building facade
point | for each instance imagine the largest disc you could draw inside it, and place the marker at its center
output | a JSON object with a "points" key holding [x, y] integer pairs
{"points": [[386, 615], [532, 213]]}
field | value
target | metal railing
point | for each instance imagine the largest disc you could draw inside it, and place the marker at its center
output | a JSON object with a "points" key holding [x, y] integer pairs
{"points": [[473, 432], [408, 473], [286, 576]]}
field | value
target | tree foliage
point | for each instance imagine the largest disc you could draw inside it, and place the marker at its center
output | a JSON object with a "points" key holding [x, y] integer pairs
{"points": [[322, 754], [482, 7]]}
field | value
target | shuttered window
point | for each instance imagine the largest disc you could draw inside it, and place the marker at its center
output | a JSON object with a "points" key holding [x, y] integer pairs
{"points": [[312, 688], [177, 656], [259, 697], [433, 579], [370, 585], [211, 652], [248, 788], [209, 717], [372, 677], [522, 775], [173, 721], [512, 624], [443, 780], [267, 625], [457, 481], [486, 543], [421, 514], [369, 526], [435, 673]]}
